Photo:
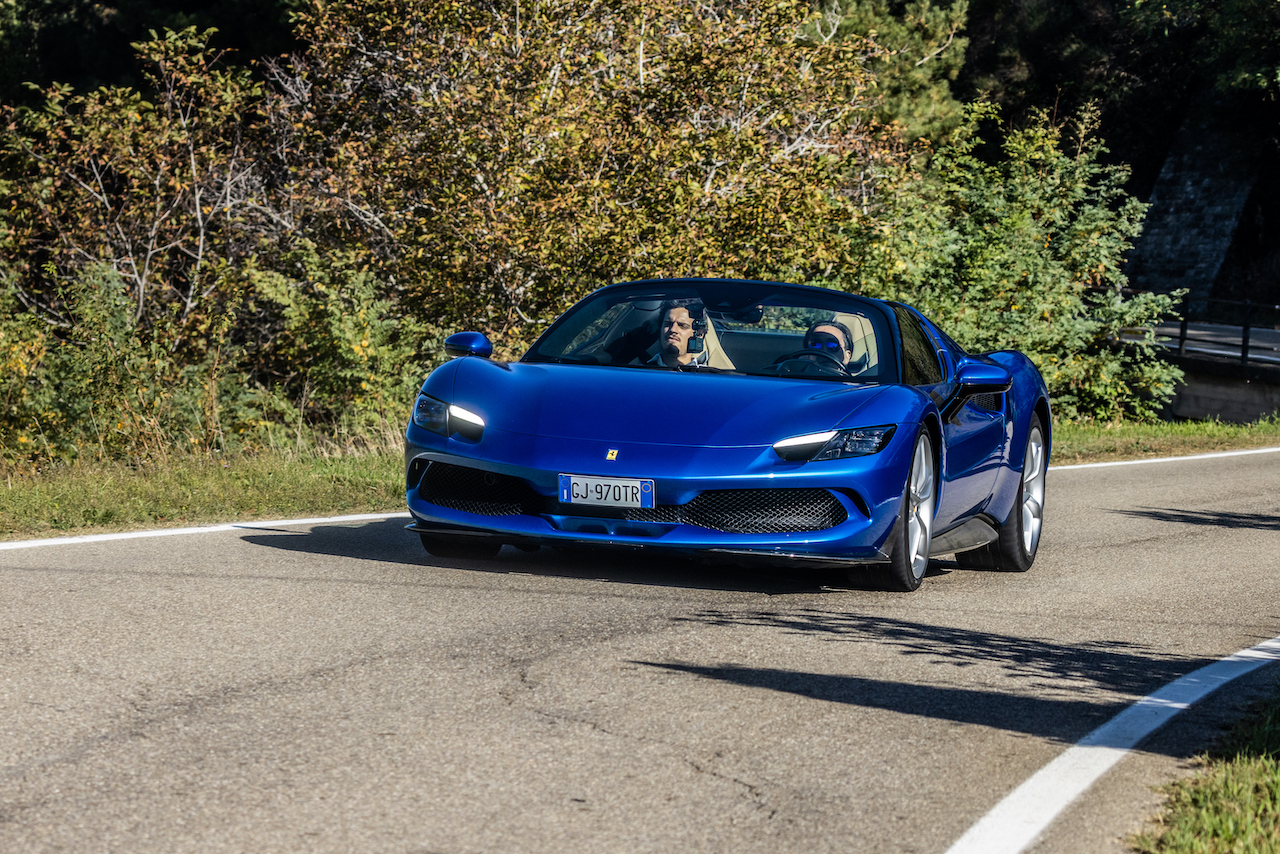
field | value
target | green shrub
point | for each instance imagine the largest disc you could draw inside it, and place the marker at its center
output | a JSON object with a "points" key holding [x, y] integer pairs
{"points": [[1024, 252], [104, 386]]}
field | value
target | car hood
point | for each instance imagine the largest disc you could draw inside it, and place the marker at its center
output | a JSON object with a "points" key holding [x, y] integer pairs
{"points": [[656, 406]]}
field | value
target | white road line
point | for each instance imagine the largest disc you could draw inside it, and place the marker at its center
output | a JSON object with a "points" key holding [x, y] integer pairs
{"points": [[1014, 823], [1213, 456], [207, 529]]}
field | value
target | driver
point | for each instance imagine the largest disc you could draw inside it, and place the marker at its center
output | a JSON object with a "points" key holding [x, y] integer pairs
{"points": [[831, 337], [680, 336]]}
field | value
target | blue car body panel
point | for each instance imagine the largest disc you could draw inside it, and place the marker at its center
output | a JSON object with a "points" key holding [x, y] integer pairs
{"points": [[714, 432]]}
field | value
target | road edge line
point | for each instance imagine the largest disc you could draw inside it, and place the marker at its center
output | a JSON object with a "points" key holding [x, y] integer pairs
{"points": [[1016, 822], [204, 529], [1213, 456]]}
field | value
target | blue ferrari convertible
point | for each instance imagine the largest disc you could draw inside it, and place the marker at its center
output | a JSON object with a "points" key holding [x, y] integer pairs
{"points": [[740, 420]]}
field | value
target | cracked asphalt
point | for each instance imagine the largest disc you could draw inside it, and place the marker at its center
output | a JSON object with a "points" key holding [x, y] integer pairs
{"points": [[331, 688]]}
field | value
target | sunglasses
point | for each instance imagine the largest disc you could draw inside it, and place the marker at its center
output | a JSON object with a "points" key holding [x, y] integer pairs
{"points": [[824, 345]]}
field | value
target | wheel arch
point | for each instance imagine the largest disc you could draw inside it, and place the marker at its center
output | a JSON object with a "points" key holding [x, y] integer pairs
{"points": [[932, 423], [1046, 424]]}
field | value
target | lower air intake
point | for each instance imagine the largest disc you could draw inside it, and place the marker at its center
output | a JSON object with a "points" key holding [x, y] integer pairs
{"points": [[474, 491]]}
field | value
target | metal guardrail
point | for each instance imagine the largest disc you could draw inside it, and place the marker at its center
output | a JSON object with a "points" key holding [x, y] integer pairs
{"points": [[1205, 329]]}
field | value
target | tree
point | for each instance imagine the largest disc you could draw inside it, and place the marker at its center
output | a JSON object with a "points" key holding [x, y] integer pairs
{"points": [[1024, 253], [1235, 44], [166, 194], [922, 54], [507, 157]]}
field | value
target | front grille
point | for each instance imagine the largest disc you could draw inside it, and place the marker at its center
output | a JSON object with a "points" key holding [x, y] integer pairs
{"points": [[474, 491], [752, 511]]}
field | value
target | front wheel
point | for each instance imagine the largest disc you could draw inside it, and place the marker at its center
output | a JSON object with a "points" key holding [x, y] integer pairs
{"points": [[913, 534], [1015, 549]]}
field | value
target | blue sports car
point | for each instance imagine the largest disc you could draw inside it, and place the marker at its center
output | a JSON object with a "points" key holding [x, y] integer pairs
{"points": [[735, 419]]}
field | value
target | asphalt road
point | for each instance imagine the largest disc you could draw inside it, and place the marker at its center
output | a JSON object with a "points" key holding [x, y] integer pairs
{"points": [[330, 688]]}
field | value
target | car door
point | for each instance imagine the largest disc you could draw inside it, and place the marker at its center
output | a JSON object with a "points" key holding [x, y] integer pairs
{"points": [[973, 434]]}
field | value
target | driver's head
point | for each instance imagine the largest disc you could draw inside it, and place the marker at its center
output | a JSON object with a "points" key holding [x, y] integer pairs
{"points": [[830, 336], [679, 322]]}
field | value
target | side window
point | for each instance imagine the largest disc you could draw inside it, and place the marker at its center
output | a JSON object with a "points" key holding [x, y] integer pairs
{"points": [[919, 359]]}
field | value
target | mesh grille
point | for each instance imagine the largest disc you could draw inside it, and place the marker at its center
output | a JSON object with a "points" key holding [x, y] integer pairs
{"points": [[475, 491], [661, 513], [752, 511], [990, 402]]}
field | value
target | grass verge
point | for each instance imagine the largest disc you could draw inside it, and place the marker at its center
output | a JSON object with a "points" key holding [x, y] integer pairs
{"points": [[1126, 440], [105, 497], [1232, 804]]}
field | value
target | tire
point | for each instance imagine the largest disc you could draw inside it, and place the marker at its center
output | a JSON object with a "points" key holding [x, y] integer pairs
{"points": [[1015, 549], [478, 550], [913, 533]]}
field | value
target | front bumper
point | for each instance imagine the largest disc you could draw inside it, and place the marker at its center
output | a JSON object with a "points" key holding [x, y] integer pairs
{"points": [[731, 502]]}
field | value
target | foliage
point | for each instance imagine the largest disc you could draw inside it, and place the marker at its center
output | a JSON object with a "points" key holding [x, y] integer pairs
{"points": [[1146, 63], [507, 158], [1046, 54], [1236, 43], [923, 52], [225, 260], [104, 387], [163, 193], [1024, 253], [163, 290], [339, 344]]}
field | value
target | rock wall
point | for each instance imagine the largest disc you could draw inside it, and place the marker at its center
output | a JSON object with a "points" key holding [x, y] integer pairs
{"points": [[1197, 201]]}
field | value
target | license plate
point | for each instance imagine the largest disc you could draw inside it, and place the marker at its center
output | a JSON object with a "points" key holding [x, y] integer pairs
{"points": [[606, 491]]}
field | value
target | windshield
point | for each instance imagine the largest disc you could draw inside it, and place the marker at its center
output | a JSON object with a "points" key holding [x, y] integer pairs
{"points": [[742, 327]]}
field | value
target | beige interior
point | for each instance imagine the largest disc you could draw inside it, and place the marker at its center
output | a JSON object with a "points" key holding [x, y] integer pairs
{"points": [[716, 357], [864, 338]]}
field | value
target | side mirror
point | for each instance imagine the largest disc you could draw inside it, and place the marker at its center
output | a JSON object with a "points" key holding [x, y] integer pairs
{"points": [[982, 378], [468, 344]]}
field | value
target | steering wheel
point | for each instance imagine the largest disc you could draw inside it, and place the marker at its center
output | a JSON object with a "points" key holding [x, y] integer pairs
{"points": [[810, 361]]}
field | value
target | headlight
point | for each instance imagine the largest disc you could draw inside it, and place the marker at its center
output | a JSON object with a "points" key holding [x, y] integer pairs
{"points": [[835, 444], [431, 414], [447, 419]]}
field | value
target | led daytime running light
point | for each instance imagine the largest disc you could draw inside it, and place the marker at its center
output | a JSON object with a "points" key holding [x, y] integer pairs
{"points": [[456, 411], [811, 439]]}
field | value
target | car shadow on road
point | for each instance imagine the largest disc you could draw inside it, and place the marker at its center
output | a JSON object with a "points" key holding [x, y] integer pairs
{"points": [[382, 540], [1216, 519], [387, 540]]}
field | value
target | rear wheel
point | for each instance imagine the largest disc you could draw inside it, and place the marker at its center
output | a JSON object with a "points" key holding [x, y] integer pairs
{"points": [[913, 534], [1015, 549], [478, 550]]}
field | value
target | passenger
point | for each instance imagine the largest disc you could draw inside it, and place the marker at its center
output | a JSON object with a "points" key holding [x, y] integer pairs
{"points": [[831, 337], [680, 337]]}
